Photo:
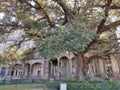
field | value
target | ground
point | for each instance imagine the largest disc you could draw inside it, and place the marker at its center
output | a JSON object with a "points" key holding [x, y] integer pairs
{"points": [[19, 87]]}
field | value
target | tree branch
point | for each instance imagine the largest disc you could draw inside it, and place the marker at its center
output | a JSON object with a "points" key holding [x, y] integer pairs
{"points": [[67, 11], [111, 7], [101, 25], [39, 7], [111, 25]]}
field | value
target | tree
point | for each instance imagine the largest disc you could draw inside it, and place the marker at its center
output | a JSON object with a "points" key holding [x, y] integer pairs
{"points": [[64, 25]]}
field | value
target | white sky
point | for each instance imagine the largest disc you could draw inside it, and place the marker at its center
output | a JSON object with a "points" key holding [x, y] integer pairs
{"points": [[16, 36], [118, 32], [2, 15]]}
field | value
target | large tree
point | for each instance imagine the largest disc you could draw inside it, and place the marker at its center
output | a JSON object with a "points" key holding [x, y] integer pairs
{"points": [[57, 26]]}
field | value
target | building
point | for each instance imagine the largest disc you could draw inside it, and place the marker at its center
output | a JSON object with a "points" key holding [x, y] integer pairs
{"points": [[63, 67], [105, 68]]}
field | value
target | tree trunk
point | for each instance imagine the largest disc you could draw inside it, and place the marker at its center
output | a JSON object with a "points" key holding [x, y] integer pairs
{"points": [[79, 66]]}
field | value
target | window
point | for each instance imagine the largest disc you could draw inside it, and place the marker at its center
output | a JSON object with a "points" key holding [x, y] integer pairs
{"points": [[108, 67], [38, 66], [20, 73], [39, 73]]}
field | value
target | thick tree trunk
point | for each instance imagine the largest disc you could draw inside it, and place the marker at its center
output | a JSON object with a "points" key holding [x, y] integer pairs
{"points": [[79, 66]]}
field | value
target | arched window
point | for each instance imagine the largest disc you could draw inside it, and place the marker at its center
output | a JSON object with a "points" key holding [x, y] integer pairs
{"points": [[3, 70]]}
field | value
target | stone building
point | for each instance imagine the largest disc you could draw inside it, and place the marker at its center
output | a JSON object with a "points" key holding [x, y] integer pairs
{"points": [[59, 68], [62, 67], [33, 69], [105, 68]]}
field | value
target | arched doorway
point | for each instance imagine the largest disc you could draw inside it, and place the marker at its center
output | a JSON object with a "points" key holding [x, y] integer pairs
{"points": [[3, 71], [53, 68], [27, 70], [17, 70], [37, 70], [63, 67]]}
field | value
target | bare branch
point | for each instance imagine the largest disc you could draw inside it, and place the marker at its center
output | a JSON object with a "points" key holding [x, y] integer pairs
{"points": [[67, 11], [110, 26], [101, 25], [111, 7]]}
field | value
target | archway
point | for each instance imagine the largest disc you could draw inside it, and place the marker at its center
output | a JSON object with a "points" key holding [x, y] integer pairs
{"points": [[53, 68], [37, 70], [63, 67], [17, 70], [27, 70]]}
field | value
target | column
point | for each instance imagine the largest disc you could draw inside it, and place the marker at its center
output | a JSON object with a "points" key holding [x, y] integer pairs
{"points": [[67, 68], [49, 69], [118, 62], [102, 67], [23, 71], [58, 72], [96, 68], [115, 67], [30, 71], [51, 72]]}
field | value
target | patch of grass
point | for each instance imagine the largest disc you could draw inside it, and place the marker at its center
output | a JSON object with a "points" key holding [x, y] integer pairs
{"points": [[23, 88], [14, 88]]}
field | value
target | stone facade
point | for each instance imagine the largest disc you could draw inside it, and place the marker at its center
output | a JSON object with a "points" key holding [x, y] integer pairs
{"points": [[61, 68], [32, 69], [104, 68]]}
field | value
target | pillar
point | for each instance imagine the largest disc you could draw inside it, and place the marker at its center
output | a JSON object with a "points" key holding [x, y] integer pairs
{"points": [[67, 67], [58, 69], [96, 67], [23, 72], [115, 66], [51, 70], [30, 72], [102, 67]]}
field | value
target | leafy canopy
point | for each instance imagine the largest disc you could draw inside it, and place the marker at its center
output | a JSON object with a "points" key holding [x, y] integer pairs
{"points": [[61, 25], [73, 37]]}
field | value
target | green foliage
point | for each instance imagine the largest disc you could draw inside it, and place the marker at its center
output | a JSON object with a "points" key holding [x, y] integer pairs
{"points": [[74, 37], [80, 16], [11, 55], [88, 85]]}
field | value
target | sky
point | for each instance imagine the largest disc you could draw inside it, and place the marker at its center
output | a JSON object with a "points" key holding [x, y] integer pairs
{"points": [[118, 32], [15, 36], [2, 15]]}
